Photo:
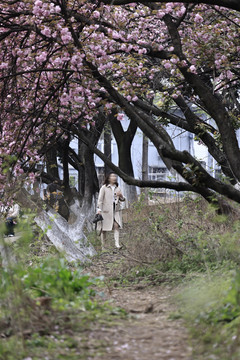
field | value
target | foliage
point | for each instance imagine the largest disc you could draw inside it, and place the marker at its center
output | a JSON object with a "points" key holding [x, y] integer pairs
{"points": [[51, 278], [211, 309], [168, 242], [45, 300], [205, 277], [229, 307], [47, 305]]}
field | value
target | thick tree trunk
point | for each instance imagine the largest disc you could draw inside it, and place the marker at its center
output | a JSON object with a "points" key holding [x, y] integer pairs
{"points": [[91, 187], [51, 163], [65, 161], [125, 164], [67, 237], [88, 180], [215, 108], [107, 146], [124, 142]]}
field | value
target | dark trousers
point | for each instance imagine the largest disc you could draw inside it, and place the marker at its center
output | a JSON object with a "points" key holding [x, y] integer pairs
{"points": [[9, 226]]}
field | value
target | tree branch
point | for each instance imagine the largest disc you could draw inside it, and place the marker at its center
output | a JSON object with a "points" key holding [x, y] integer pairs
{"points": [[215, 108], [194, 122], [173, 119], [178, 186]]}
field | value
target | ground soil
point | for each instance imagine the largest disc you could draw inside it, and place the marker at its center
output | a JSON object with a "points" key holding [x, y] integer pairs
{"points": [[149, 332]]}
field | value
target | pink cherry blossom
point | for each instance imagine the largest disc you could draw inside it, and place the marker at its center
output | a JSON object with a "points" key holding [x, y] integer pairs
{"points": [[167, 65], [193, 69], [41, 57], [120, 116], [229, 74], [198, 18], [59, 84]]}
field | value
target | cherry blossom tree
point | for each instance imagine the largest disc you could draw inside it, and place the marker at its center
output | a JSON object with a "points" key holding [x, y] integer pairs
{"points": [[230, 4], [63, 60]]}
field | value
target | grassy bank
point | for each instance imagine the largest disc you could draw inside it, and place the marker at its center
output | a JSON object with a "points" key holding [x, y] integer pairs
{"points": [[49, 308], [188, 246], [211, 309]]}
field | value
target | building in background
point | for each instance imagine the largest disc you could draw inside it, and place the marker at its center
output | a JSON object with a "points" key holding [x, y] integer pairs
{"points": [[157, 170]]}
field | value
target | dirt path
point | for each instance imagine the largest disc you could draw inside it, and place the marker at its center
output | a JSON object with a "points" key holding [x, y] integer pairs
{"points": [[149, 333]]}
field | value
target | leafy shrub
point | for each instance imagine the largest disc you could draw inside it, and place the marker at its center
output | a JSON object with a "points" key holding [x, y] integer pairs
{"points": [[53, 278], [210, 304], [229, 307], [57, 280]]}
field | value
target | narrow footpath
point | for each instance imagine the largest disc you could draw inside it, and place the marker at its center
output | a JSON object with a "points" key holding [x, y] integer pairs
{"points": [[149, 333]]}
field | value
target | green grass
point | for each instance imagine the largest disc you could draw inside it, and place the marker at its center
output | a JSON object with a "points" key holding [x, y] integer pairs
{"points": [[205, 269], [211, 308], [183, 245], [49, 307]]}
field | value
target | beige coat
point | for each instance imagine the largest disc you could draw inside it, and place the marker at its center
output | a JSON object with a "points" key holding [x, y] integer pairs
{"points": [[105, 204]]}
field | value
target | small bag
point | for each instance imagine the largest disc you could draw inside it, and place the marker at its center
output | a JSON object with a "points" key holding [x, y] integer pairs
{"points": [[98, 217], [96, 220]]}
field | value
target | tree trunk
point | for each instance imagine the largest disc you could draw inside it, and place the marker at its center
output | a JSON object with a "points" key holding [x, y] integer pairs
{"points": [[66, 185], [107, 146], [51, 163], [91, 187], [124, 142], [125, 164], [67, 237]]}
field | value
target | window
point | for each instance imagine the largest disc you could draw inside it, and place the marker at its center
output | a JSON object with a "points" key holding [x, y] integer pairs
{"points": [[157, 173], [39, 167]]}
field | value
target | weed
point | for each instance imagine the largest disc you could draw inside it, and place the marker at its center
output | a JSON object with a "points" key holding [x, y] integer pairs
{"points": [[211, 308], [43, 299]]}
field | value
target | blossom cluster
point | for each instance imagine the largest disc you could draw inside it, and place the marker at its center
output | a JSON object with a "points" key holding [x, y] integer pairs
{"points": [[46, 81]]}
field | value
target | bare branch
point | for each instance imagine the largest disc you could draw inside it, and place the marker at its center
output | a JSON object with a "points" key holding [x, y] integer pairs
{"points": [[178, 186]]}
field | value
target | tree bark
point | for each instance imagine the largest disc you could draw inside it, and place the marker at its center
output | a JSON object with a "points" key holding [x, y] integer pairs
{"points": [[214, 107], [191, 123], [211, 196], [124, 142], [51, 163], [107, 146], [68, 238]]}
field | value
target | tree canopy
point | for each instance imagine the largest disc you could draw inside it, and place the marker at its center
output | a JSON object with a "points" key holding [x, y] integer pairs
{"points": [[64, 61]]}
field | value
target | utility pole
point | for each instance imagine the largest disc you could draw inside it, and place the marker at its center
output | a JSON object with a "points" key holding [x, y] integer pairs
{"points": [[145, 164]]}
